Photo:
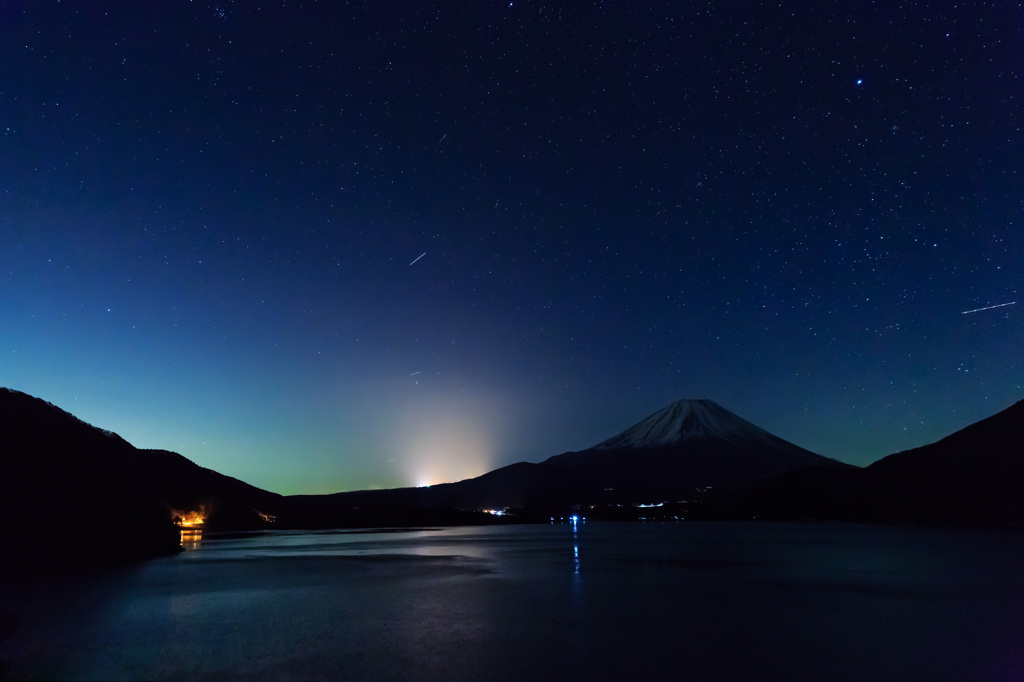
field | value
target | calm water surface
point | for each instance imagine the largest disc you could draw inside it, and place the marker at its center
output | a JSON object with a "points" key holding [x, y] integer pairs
{"points": [[687, 601]]}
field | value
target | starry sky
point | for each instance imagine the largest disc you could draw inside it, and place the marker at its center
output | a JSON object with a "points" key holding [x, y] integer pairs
{"points": [[324, 246]]}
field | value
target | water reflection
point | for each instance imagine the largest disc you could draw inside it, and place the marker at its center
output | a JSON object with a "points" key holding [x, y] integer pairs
{"points": [[191, 537], [496, 603], [575, 543]]}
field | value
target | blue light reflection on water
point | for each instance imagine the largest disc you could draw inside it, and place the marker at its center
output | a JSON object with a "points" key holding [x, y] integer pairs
{"points": [[575, 543], [568, 601]]}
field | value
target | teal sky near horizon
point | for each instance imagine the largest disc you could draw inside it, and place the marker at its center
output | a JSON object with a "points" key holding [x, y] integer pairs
{"points": [[331, 246]]}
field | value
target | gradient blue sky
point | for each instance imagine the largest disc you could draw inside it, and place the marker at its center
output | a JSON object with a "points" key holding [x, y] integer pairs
{"points": [[208, 212]]}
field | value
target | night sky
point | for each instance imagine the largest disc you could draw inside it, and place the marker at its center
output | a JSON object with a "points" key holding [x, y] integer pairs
{"points": [[210, 213]]}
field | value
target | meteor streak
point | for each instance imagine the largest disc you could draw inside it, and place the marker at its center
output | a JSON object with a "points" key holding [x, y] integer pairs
{"points": [[418, 257], [988, 307]]}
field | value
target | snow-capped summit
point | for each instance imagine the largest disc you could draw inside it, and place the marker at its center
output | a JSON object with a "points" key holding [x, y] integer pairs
{"points": [[686, 420], [684, 447]]}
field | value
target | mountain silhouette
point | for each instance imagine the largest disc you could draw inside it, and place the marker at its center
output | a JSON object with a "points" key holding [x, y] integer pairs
{"points": [[973, 476], [72, 494]]}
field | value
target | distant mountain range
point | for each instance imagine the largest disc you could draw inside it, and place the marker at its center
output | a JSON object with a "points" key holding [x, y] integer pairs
{"points": [[74, 494], [688, 448]]}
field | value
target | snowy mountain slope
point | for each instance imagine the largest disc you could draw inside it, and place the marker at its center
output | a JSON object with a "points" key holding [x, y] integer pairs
{"points": [[686, 420], [685, 446]]}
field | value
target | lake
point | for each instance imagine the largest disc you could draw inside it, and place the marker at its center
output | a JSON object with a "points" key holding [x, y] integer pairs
{"points": [[585, 601]]}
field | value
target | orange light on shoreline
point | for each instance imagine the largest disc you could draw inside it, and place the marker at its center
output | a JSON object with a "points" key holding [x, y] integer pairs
{"points": [[189, 519]]}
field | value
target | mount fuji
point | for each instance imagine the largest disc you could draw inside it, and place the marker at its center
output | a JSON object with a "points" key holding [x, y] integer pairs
{"points": [[691, 420], [686, 446]]}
